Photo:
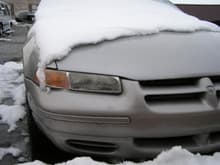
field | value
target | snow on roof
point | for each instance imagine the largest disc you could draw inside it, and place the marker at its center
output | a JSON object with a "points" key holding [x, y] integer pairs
{"points": [[62, 25]]}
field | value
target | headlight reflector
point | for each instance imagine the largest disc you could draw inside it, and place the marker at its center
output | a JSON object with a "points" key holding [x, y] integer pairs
{"points": [[94, 83], [82, 82]]}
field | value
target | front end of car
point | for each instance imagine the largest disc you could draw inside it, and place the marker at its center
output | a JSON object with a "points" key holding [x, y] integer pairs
{"points": [[126, 98]]}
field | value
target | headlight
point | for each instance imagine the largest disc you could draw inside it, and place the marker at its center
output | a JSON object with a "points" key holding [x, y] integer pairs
{"points": [[82, 82]]}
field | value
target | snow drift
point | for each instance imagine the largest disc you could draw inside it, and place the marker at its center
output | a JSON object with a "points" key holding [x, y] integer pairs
{"points": [[63, 25], [175, 156], [11, 150], [11, 87]]}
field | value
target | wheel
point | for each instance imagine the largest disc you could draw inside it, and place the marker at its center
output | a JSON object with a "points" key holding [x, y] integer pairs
{"points": [[41, 147]]}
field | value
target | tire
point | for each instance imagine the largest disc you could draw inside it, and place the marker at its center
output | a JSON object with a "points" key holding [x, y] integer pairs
{"points": [[41, 147]]}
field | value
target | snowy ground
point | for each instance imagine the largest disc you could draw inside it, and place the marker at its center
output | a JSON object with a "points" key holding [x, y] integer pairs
{"points": [[12, 99], [11, 46], [175, 156]]}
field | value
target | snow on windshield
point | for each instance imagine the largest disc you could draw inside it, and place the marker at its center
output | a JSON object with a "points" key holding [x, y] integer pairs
{"points": [[62, 25]]}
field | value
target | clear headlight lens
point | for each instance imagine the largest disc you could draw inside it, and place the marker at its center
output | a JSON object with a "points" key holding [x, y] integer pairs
{"points": [[83, 82]]}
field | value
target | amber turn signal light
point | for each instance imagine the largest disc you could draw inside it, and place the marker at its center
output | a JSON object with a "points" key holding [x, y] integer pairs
{"points": [[56, 79]]}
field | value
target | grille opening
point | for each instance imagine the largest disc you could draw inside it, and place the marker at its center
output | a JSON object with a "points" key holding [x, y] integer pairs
{"points": [[169, 82], [189, 97], [214, 136], [218, 93], [185, 141], [92, 146], [215, 79]]}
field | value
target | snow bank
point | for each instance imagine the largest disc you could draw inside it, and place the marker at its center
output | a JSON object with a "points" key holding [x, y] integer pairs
{"points": [[5, 39], [36, 162], [11, 150], [175, 156], [63, 25], [11, 82], [11, 114], [12, 87]]}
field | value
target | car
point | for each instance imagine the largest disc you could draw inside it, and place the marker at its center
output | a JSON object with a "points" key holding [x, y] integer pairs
{"points": [[128, 92], [5, 19], [25, 16]]}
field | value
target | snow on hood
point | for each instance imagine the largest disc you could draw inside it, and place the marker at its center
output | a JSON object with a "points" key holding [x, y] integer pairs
{"points": [[63, 25]]}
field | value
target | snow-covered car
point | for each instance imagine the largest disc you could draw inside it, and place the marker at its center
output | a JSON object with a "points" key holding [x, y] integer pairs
{"points": [[5, 19], [125, 79]]}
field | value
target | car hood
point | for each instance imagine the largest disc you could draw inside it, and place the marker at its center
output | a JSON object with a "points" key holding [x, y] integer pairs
{"points": [[159, 56]]}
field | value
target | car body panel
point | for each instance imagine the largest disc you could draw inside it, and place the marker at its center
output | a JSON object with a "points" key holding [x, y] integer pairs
{"points": [[170, 96], [120, 120]]}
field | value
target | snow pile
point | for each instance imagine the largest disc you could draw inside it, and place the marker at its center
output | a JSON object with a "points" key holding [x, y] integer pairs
{"points": [[11, 114], [36, 162], [11, 87], [5, 39], [175, 156], [11, 150], [11, 82], [62, 25]]}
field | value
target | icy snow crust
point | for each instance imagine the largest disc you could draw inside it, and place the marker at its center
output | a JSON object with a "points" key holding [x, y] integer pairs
{"points": [[12, 87], [175, 156], [11, 150], [63, 25]]}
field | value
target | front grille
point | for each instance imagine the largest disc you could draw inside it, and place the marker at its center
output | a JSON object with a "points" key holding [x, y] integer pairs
{"points": [[169, 82], [191, 141], [184, 98], [168, 142], [215, 79], [180, 95]]}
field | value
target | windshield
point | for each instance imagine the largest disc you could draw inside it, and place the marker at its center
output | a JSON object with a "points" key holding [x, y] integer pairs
{"points": [[197, 2]]}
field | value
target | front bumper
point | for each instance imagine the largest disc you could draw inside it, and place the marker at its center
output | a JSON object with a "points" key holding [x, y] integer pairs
{"points": [[119, 125]]}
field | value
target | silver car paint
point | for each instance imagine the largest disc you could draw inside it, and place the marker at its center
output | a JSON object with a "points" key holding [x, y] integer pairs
{"points": [[125, 119]]}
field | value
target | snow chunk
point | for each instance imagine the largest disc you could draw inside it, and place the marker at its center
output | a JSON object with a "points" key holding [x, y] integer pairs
{"points": [[83, 161], [11, 150], [11, 82], [18, 95], [11, 114], [63, 25], [5, 39], [36, 162]]}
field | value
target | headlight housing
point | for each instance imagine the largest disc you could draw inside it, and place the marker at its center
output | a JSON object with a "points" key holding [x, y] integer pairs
{"points": [[82, 82]]}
